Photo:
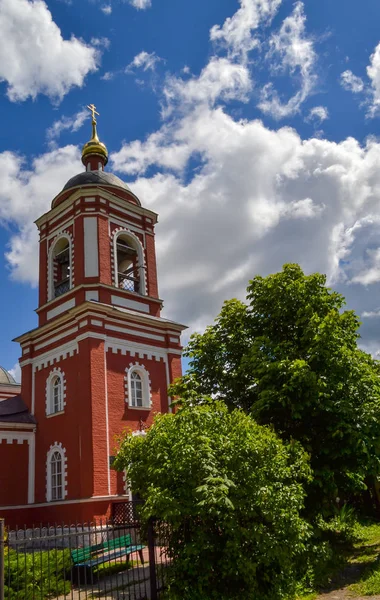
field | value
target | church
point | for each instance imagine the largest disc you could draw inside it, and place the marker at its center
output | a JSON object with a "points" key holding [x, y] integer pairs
{"points": [[99, 362]]}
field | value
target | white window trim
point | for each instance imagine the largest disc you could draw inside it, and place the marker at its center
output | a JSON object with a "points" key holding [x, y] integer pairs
{"points": [[140, 255], [69, 238], [62, 451], [57, 372], [146, 387]]}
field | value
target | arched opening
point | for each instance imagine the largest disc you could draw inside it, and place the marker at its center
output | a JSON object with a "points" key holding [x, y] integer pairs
{"points": [[61, 267], [136, 389], [56, 476], [130, 269], [57, 396]]}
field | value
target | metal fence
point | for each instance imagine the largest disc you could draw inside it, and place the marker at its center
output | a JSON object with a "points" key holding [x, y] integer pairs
{"points": [[109, 560]]}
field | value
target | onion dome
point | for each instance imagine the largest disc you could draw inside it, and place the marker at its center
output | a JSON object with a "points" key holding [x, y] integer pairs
{"points": [[96, 178], [94, 152], [6, 378]]}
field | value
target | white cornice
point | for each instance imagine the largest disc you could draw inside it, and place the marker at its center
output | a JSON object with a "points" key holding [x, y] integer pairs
{"points": [[91, 190]]}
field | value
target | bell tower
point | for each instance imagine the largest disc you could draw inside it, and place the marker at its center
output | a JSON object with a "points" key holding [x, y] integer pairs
{"points": [[102, 357]]}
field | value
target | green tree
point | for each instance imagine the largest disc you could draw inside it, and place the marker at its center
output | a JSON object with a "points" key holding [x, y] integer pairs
{"points": [[289, 357], [230, 493]]}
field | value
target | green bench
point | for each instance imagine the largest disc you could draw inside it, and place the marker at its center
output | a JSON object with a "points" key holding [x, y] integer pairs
{"points": [[85, 559]]}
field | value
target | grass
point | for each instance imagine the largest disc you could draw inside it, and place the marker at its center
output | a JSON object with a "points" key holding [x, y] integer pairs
{"points": [[366, 554], [359, 570]]}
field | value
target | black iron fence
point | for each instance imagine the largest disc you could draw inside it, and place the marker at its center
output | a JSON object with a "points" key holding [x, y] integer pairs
{"points": [[109, 560]]}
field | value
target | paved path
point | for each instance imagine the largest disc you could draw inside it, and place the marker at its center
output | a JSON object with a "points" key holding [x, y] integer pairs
{"points": [[344, 594]]}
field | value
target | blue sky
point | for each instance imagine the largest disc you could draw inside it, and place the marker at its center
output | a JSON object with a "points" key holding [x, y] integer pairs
{"points": [[250, 126]]}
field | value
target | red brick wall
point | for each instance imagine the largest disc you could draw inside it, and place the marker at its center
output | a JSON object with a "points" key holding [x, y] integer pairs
{"points": [[86, 512], [151, 267], [72, 428], [43, 273], [104, 251], [13, 472], [121, 417]]}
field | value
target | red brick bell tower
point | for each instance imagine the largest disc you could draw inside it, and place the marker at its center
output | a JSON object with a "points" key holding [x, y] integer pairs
{"points": [[102, 357]]}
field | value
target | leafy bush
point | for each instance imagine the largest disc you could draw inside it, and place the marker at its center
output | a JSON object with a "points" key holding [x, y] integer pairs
{"points": [[231, 493], [36, 574], [340, 529], [289, 356]]}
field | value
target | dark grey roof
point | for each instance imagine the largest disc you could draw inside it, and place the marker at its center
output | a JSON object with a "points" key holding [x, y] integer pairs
{"points": [[14, 410], [96, 178]]}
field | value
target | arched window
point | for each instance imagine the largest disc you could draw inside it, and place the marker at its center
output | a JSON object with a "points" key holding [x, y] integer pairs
{"points": [[56, 476], [129, 263], [60, 268], [57, 395], [56, 473], [55, 392], [138, 387]]}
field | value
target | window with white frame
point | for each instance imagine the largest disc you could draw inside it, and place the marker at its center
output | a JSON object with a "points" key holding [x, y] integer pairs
{"points": [[55, 392], [56, 473], [138, 387]]}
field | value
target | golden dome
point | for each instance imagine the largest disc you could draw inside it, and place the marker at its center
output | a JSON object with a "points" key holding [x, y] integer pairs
{"points": [[94, 145]]}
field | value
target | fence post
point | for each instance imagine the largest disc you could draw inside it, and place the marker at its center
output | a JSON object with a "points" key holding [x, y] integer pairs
{"points": [[152, 561], [2, 558]]}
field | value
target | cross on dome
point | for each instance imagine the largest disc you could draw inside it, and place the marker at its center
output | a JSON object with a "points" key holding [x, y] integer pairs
{"points": [[94, 152], [92, 109]]}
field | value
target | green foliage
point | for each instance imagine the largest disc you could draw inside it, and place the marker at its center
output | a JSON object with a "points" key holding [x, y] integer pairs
{"points": [[36, 574], [231, 493], [289, 357]]}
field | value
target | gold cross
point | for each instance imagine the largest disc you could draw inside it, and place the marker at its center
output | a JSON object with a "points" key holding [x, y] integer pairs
{"points": [[92, 107]]}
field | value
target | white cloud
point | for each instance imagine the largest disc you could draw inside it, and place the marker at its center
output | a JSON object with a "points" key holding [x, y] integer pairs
{"points": [[35, 59], [371, 274], [73, 123], [141, 4], [237, 31], [373, 72], [15, 371], [145, 61], [106, 9], [371, 314], [291, 52], [317, 114], [219, 80], [351, 82], [257, 198], [102, 42], [26, 193]]}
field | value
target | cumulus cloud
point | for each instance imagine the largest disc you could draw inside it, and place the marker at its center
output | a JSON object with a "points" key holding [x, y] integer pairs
{"points": [[257, 198], [235, 199], [73, 123], [291, 51], [26, 192], [351, 82], [236, 34], [220, 79], [35, 59]]}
